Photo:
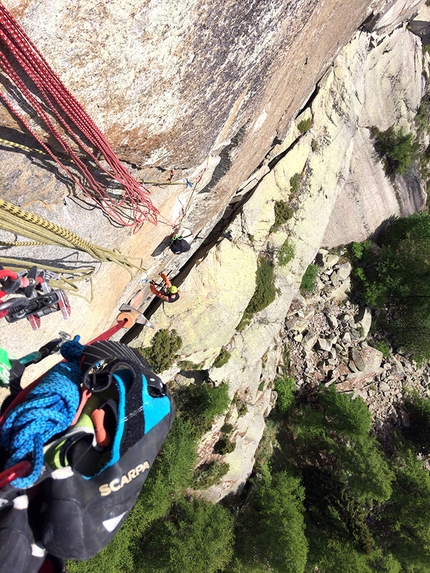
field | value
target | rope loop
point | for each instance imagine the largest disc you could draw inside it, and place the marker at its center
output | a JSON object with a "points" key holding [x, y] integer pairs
{"points": [[49, 409]]}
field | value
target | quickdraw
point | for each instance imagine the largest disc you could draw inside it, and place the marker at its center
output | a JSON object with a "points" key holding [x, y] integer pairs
{"points": [[37, 297]]}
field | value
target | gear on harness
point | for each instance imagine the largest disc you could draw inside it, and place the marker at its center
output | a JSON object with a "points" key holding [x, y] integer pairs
{"points": [[38, 298], [76, 447]]}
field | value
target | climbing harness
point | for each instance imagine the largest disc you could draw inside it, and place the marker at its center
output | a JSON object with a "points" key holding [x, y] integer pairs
{"points": [[37, 297], [25, 66]]}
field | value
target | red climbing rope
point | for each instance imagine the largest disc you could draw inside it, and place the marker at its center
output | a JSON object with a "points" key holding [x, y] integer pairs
{"points": [[19, 55]]}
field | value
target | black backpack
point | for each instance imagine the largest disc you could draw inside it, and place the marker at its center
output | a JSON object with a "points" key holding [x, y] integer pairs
{"points": [[179, 246]]}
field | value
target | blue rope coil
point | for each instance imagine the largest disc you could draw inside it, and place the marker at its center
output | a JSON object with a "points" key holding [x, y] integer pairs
{"points": [[48, 409], [72, 349]]}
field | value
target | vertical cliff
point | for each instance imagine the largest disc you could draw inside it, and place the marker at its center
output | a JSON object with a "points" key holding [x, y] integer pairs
{"points": [[217, 92], [202, 88]]}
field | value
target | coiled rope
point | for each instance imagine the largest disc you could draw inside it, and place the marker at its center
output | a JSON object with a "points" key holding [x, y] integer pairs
{"points": [[21, 222], [48, 409], [64, 279], [23, 59]]}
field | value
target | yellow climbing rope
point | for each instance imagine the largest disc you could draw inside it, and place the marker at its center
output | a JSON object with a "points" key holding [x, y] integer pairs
{"points": [[21, 222], [64, 279]]}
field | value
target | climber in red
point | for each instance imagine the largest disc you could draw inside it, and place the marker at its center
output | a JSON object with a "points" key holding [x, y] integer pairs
{"points": [[168, 292]]}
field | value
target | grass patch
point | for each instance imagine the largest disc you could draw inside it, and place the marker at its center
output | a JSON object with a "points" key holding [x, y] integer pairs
{"points": [[286, 253], [305, 125], [264, 294], [161, 355], [222, 358], [294, 183], [189, 366], [309, 279], [283, 213], [209, 474]]}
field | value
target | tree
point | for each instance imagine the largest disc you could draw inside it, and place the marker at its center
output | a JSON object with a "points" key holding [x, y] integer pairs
{"points": [[196, 537], [271, 533], [418, 431], [199, 404], [170, 476], [398, 149], [404, 522], [162, 353], [396, 279]]}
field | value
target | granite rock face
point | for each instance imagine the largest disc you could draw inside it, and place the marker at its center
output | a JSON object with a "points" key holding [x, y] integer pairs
{"points": [[170, 82], [328, 159], [220, 93], [202, 88]]}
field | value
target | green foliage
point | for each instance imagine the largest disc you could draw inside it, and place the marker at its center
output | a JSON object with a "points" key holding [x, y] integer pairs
{"points": [[421, 119], [283, 213], [226, 428], [395, 278], [162, 353], [418, 432], [338, 556], [189, 366], [309, 279], [344, 415], [171, 473], [382, 346], [286, 253], [210, 473], [271, 528], [167, 481], [335, 433], [396, 148], [264, 294], [266, 446], [224, 446], [285, 386], [222, 358], [116, 556], [294, 183], [201, 403], [196, 538], [305, 125], [360, 250], [344, 474], [404, 524], [239, 400]]}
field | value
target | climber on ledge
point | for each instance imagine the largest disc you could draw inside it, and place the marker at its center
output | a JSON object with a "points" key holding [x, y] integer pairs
{"points": [[168, 292]]}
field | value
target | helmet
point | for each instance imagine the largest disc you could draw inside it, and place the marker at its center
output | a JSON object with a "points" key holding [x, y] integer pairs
{"points": [[173, 289]]}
